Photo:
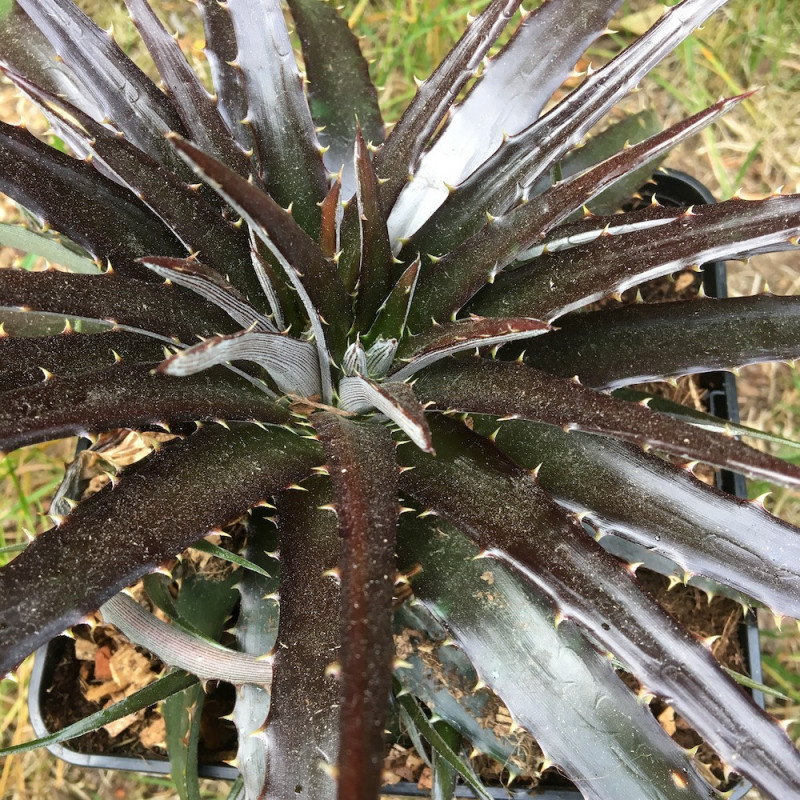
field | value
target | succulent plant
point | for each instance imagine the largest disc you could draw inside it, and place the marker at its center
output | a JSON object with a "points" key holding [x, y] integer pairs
{"points": [[357, 296]]}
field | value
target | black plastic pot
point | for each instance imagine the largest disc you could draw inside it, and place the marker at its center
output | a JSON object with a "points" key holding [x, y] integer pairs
{"points": [[671, 188]]}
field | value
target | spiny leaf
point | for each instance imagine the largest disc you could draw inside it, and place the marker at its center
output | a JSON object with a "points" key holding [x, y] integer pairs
{"points": [[89, 558], [114, 83], [396, 158], [393, 399], [170, 311], [500, 181], [595, 730], [291, 363], [376, 262], [197, 110], [448, 283], [70, 354], [221, 51], [211, 286], [127, 396], [286, 146], [580, 275], [635, 343], [466, 334], [515, 390], [361, 462], [516, 522], [337, 97], [506, 99], [730, 540], [72, 197], [301, 733], [390, 321]]}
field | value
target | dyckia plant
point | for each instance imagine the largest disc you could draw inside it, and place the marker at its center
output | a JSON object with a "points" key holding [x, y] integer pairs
{"points": [[319, 310]]}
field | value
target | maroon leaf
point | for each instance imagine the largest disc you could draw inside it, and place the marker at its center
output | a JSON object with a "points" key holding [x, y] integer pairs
{"points": [[507, 98], [121, 534], [113, 82], [570, 279], [122, 396], [286, 145], [396, 158], [454, 337], [502, 508], [301, 733], [74, 199], [337, 97], [197, 110], [515, 390], [732, 541], [376, 263], [361, 462], [447, 283], [169, 311], [70, 354], [653, 341]]}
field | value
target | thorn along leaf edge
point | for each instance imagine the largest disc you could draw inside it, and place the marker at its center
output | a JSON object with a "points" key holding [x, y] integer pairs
{"points": [[383, 322]]}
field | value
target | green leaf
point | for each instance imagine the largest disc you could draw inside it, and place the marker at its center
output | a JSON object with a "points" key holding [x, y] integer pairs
{"points": [[205, 546], [47, 247], [206, 604], [153, 693]]}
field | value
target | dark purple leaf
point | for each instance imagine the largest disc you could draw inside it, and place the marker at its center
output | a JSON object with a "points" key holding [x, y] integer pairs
{"points": [[522, 159], [376, 262], [507, 98], [363, 470], [169, 311], [396, 158], [121, 534], [390, 321], [503, 509], [653, 341], [199, 225], [111, 80], [331, 212], [70, 354], [210, 285], [396, 401], [440, 341], [193, 104], [663, 508], [564, 281], [301, 733], [221, 51], [447, 283], [340, 96], [74, 199], [515, 390], [555, 684], [286, 144], [124, 396], [312, 275]]}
